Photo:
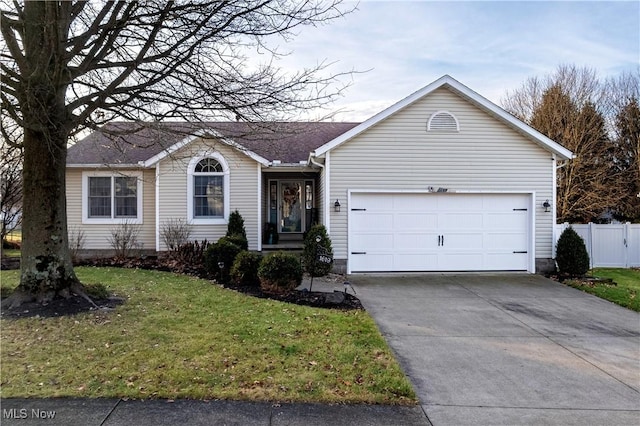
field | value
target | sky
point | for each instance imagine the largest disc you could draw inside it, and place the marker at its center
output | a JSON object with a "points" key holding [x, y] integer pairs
{"points": [[489, 46]]}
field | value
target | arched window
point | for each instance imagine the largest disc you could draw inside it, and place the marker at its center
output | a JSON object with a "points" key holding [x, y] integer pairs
{"points": [[443, 121], [208, 189]]}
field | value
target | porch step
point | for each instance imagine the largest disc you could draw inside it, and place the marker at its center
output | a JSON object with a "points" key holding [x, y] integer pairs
{"points": [[296, 246]]}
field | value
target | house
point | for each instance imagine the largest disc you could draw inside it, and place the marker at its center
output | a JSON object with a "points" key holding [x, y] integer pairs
{"points": [[443, 180]]}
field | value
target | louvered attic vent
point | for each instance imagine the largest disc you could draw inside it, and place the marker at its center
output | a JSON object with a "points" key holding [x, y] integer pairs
{"points": [[443, 121]]}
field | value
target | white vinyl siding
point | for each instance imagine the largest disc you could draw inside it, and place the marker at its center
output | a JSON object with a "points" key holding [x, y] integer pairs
{"points": [[96, 235], [399, 153], [243, 190]]}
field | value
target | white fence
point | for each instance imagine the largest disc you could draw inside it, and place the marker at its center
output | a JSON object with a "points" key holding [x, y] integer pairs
{"points": [[610, 245]]}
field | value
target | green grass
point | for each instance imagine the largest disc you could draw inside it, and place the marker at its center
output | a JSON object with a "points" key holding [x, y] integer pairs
{"points": [[182, 337], [626, 293]]}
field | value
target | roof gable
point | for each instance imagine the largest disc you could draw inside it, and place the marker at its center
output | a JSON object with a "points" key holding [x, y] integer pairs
{"points": [[466, 93]]}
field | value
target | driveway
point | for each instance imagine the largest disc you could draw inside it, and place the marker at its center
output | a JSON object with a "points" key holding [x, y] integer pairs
{"points": [[509, 348]]}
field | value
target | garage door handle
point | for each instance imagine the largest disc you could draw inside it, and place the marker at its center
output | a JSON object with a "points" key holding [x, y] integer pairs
{"points": [[520, 251], [358, 210], [358, 252], [519, 210]]}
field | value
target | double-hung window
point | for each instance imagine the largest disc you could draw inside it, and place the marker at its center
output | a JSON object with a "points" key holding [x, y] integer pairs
{"points": [[112, 198]]}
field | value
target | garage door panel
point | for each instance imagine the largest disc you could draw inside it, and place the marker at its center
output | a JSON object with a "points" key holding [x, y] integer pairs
{"points": [[506, 261], [372, 221], [418, 222], [511, 220], [514, 241], [460, 262], [372, 241], [415, 262], [452, 241], [414, 241], [371, 262], [439, 232], [455, 221]]}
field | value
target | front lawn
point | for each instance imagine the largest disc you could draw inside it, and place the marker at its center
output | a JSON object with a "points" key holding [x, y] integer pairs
{"points": [[625, 293], [182, 337]]}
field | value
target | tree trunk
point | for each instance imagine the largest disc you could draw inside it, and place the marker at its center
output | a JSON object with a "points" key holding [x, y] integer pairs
{"points": [[46, 267]]}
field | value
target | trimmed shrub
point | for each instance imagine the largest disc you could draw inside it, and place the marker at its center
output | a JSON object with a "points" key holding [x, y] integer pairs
{"points": [[223, 251], [236, 225], [312, 249], [238, 240], [571, 254], [280, 273], [244, 271]]}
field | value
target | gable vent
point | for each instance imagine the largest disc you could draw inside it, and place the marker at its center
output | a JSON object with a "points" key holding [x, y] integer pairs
{"points": [[443, 121]]}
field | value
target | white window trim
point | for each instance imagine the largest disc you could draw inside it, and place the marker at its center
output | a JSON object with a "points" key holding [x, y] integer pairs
{"points": [[226, 190], [113, 220]]}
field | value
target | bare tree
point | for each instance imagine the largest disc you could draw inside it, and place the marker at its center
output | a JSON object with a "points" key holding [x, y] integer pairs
{"points": [[71, 65], [573, 107], [10, 189]]}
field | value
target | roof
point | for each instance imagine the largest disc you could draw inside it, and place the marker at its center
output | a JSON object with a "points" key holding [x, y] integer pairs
{"points": [[455, 86], [129, 144]]}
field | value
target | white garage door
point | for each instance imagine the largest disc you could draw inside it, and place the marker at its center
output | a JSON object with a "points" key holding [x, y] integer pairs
{"points": [[439, 232]]}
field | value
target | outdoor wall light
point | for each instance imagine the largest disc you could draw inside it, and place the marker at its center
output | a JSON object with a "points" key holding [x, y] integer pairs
{"points": [[336, 206], [546, 206]]}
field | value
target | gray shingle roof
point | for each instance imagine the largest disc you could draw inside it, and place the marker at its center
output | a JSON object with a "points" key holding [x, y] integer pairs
{"points": [[130, 143]]}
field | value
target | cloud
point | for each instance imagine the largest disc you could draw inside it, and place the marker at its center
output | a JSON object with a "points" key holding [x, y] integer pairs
{"points": [[491, 47]]}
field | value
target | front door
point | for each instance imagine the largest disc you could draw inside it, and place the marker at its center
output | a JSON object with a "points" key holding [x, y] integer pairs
{"points": [[291, 207]]}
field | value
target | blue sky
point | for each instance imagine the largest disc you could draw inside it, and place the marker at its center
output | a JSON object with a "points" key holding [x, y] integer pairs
{"points": [[491, 47]]}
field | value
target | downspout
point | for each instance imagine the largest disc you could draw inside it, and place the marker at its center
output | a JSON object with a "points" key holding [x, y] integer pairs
{"points": [[325, 187]]}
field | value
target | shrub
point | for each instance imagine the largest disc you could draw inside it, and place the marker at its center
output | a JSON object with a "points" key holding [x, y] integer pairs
{"points": [[244, 271], [124, 239], [189, 257], [312, 249], [223, 251], [175, 233], [238, 240], [571, 254], [280, 273], [236, 225]]}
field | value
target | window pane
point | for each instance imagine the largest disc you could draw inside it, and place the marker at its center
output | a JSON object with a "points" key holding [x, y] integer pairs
{"points": [[99, 197], [208, 165], [126, 202], [208, 200], [99, 186]]}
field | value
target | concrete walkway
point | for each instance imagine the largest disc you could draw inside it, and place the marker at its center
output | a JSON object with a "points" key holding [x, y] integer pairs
{"points": [[509, 349], [115, 412]]}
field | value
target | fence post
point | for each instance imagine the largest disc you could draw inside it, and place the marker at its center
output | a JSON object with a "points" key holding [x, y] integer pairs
{"points": [[590, 246], [627, 233]]}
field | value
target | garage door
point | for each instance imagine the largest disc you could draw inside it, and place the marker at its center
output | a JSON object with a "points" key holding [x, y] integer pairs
{"points": [[439, 232]]}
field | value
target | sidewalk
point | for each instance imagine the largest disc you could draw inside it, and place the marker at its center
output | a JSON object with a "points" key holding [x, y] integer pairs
{"points": [[116, 412]]}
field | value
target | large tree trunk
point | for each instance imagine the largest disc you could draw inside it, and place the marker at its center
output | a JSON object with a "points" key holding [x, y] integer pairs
{"points": [[46, 269]]}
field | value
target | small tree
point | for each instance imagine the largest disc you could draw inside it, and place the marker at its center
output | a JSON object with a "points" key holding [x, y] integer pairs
{"points": [[236, 225], [312, 248], [571, 254]]}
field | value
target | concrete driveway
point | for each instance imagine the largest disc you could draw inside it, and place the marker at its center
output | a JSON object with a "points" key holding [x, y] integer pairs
{"points": [[509, 348]]}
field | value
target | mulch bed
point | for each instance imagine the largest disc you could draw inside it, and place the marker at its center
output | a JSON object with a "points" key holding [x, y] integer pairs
{"points": [[77, 304]]}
